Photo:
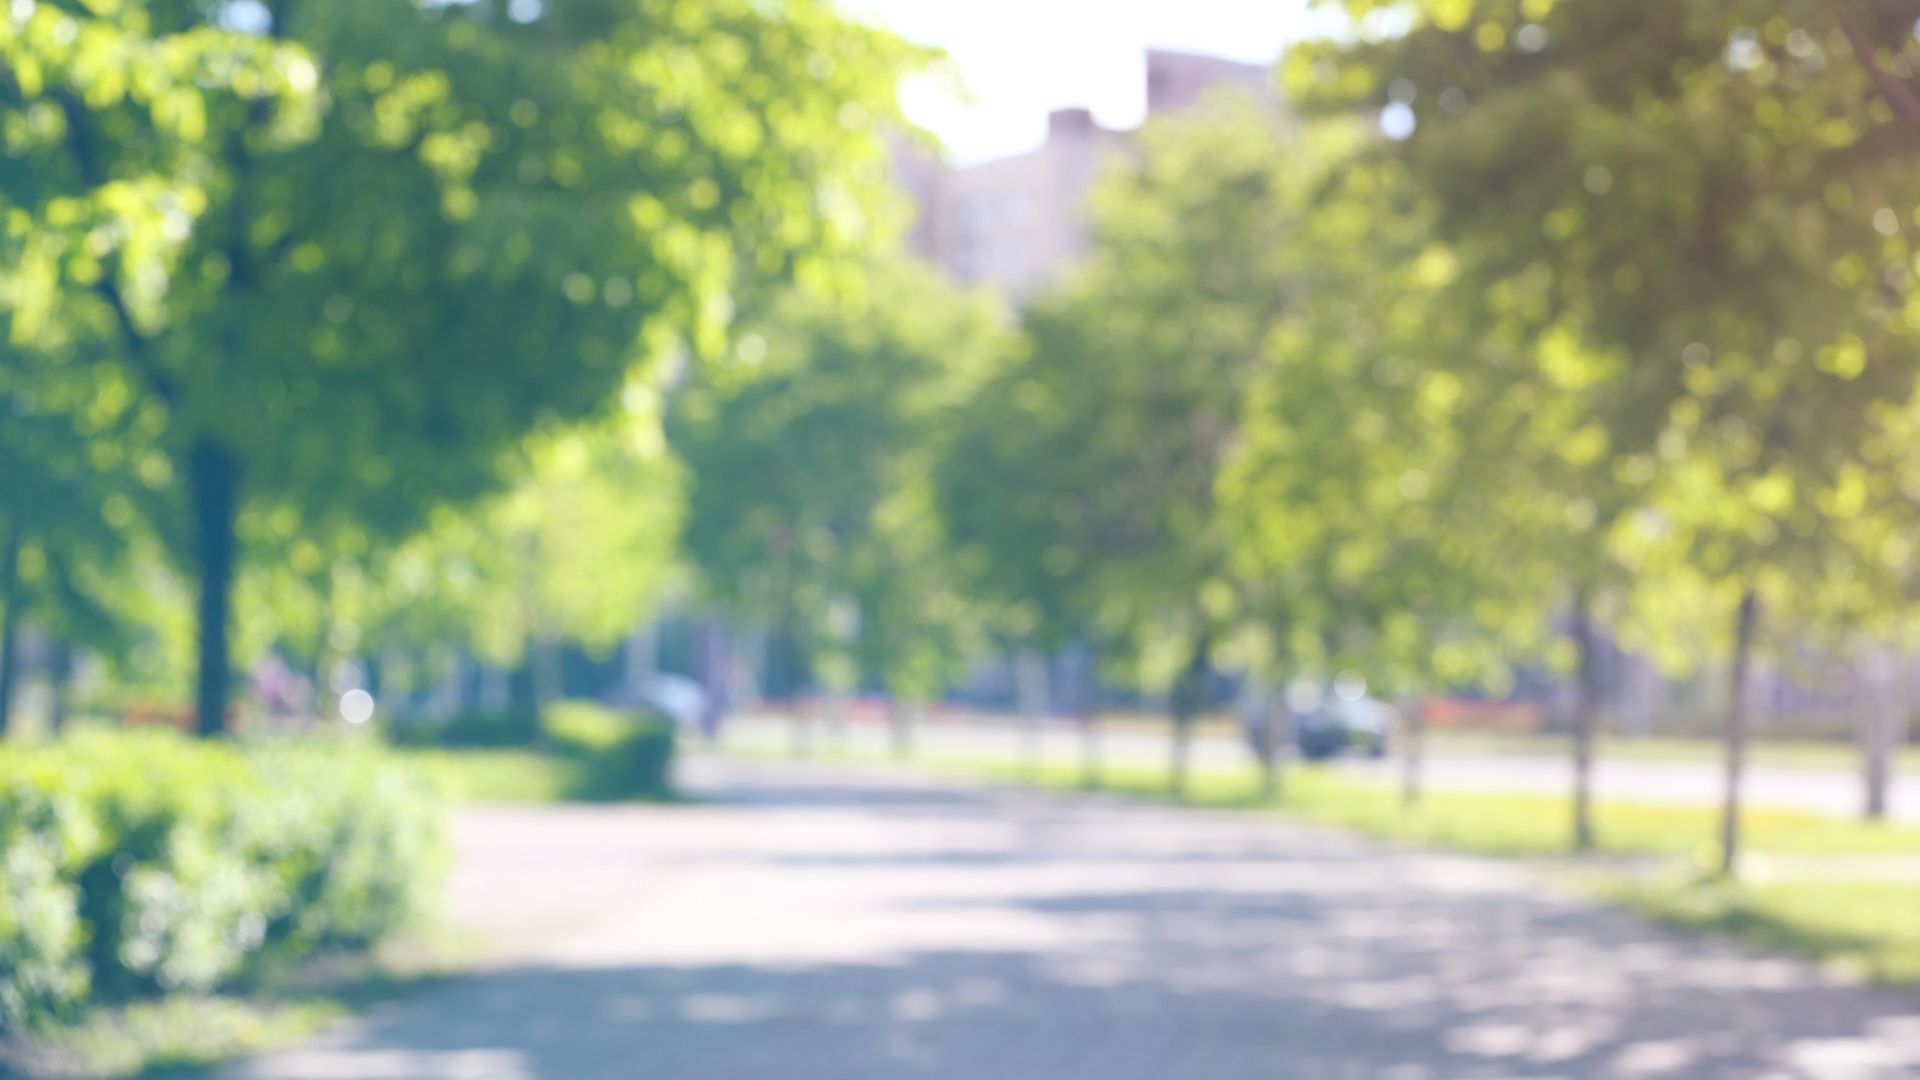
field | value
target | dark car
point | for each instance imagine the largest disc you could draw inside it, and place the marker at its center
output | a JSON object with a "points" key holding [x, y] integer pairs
{"points": [[1339, 726]]}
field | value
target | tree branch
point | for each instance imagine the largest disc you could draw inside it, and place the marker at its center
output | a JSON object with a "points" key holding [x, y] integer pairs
{"points": [[1886, 82], [138, 344]]}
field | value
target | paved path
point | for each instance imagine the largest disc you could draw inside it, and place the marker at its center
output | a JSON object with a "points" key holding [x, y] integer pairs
{"points": [[807, 923]]}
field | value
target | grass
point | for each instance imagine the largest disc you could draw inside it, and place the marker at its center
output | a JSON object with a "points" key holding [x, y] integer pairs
{"points": [[185, 1034], [1828, 754], [1866, 927], [498, 776], [1790, 753], [1810, 888]]}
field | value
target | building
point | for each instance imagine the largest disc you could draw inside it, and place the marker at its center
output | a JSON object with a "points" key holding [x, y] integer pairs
{"points": [[1019, 222]]}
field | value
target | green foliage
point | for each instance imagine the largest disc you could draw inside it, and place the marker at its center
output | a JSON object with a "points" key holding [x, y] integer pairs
{"points": [[622, 755], [45, 837], [1242, 426], [1704, 251], [474, 729], [329, 268], [1081, 482], [142, 863], [808, 456], [584, 753]]}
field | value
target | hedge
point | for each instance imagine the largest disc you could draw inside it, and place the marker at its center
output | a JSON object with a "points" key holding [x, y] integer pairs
{"points": [[624, 755], [140, 862], [603, 754]]}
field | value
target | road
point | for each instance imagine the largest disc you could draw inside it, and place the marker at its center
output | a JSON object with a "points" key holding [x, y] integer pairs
{"points": [[1828, 791], [802, 923]]}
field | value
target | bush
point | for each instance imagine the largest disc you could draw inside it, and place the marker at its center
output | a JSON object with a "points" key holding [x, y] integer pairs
{"points": [[583, 751], [45, 836], [623, 755], [142, 862], [513, 727]]}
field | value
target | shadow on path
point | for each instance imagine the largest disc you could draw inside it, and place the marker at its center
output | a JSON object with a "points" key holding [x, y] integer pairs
{"points": [[827, 926]]}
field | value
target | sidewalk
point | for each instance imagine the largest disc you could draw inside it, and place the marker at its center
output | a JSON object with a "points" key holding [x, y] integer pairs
{"points": [[811, 922]]}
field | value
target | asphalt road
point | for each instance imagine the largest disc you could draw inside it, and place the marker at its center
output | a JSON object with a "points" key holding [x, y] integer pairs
{"points": [[802, 922]]}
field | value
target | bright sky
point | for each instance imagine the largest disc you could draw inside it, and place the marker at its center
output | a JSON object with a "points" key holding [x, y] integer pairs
{"points": [[1019, 59]]}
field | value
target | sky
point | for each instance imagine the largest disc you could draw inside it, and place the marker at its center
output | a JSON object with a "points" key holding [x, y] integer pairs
{"points": [[1020, 59]]}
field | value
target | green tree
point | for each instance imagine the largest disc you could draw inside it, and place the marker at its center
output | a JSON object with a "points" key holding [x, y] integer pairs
{"points": [[1118, 417], [1714, 223], [70, 475], [348, 252], [807, 457]]}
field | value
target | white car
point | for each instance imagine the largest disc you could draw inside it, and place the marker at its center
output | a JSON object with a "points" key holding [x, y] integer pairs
{"points": [[677, 697]]}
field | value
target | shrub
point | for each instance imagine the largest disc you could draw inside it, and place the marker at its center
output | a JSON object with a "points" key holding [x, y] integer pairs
{"points": [[45, 836], [623, 755], [584, 751], [513, 727], [140, 862]]}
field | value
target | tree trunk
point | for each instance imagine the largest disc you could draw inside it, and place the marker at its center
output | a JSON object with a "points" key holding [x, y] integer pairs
{"points": [[213, 476], [833, 703], [1279, 728], [1882, 727], [60, 683], [495, 693], [549, 683], [1586, 703], [1030, 688], [9, 624], [641, 660], [523, 697], [317, 689], [450, 696], [783, 665], [1186, 703], [900, 720], [716, 679], [1413, 759], [1738, 701], [1179, 754], [1256, 729], [1091, 751]]}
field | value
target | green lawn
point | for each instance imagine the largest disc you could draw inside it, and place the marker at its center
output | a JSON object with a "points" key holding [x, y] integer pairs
{"points": [[185, 1034], [1792, 753], [498, 776], [1869, 927], [1819, 897]]}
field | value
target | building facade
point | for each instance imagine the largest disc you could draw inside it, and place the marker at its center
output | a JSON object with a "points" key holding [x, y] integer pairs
{"points": [[1018, 222]]}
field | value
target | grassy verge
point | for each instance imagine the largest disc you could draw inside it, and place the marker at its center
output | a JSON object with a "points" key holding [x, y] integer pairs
{"points": [[187, 1033], [1785, 753], [1802, 753], [1838, 891], [492, 775], [1868, 927]]}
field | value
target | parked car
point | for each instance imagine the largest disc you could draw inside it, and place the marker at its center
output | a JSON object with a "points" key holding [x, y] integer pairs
{"points": [[1337, 726], [676, 697]]}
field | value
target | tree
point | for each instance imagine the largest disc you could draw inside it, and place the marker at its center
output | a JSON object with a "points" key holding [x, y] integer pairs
{"points": [[1712, 219], [1119, 416], [1371, 503], [345, 253], [807, 457], [62, 563]]}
